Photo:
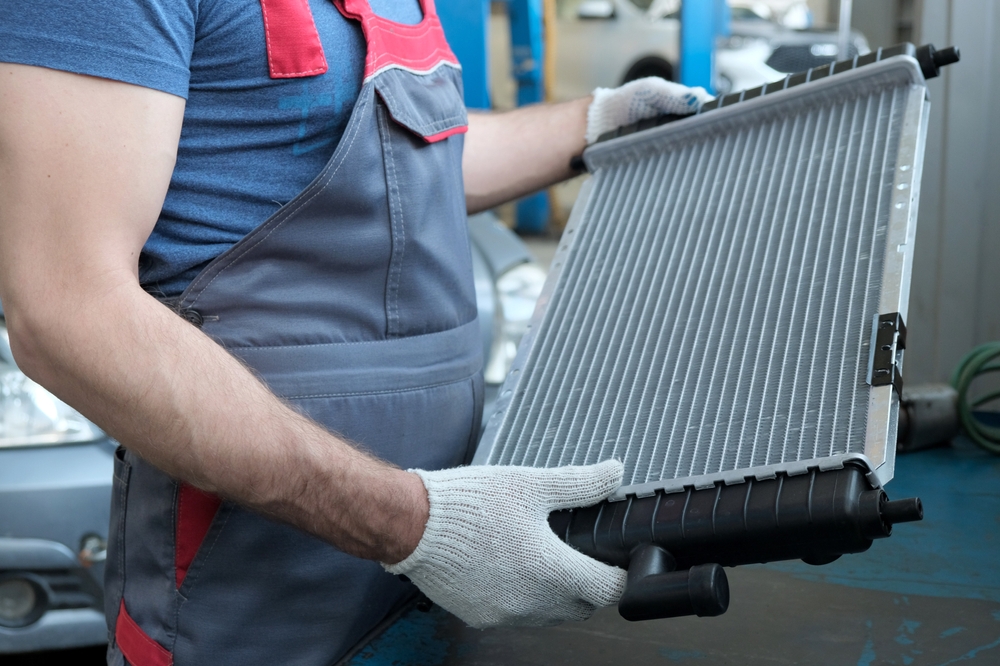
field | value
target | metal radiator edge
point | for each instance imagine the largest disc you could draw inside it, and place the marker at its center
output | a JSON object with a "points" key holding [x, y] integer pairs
{"points": [[514, 375], [883, 406]]}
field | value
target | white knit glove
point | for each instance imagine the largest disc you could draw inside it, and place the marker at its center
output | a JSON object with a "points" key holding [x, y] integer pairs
{"points": [[488, 555], [637, 100]]}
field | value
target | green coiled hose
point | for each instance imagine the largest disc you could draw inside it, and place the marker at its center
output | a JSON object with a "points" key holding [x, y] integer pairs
{"points": [[980, 361]]}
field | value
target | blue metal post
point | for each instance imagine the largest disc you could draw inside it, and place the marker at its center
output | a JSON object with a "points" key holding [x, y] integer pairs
{"points": [[528, 51], [701, 21], [466, 24]]}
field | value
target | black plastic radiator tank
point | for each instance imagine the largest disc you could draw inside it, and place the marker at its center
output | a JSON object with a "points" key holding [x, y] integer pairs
{"points": [[674, 545]]}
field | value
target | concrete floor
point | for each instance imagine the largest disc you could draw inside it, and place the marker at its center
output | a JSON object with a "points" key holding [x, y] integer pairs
{"points": [[929, 595]]}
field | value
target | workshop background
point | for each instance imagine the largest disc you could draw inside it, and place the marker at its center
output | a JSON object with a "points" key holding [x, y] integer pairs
{"points": [[928, 596]]}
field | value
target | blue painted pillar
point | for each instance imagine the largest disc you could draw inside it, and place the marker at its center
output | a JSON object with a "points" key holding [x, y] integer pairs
{"points": [[466, 25], [528, 51], [701, 22]]}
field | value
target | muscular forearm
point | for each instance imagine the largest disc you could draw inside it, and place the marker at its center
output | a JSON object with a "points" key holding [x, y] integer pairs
{"points": [[84, 167], [508, 155], [170, 394]]}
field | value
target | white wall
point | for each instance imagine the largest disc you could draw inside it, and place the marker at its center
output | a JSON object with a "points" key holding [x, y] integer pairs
{"points": [[877, 20], [955, 297]]}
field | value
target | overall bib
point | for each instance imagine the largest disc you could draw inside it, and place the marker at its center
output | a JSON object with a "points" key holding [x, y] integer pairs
{"points": [[355, 303]]}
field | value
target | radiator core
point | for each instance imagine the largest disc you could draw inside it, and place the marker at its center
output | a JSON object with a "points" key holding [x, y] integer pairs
{"points": [[710, 313]]}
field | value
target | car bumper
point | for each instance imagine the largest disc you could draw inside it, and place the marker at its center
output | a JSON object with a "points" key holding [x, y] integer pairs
{"points": [[51, 499], [56, 630]]}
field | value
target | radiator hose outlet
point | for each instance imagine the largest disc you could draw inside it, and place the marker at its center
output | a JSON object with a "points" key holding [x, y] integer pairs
{"points": [[654, 590], [931, 60]]}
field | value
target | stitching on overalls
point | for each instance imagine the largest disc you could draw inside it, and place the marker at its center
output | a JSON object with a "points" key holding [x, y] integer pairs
{"points": [[353, 394], [320, 186], [267, 33], [122, 511], [413, 70], [289, 75], [253, 348], [175, 502], [397, 223], [195, 572]]}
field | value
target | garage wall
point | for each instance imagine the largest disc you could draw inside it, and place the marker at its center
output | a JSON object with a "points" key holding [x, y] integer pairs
{"points": [[876, 19], [821, 10], [884, 22], [955, 297]]}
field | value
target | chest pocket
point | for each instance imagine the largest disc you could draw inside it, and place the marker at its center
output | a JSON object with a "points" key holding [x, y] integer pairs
{"points": [[429, 105], [429, 285]]}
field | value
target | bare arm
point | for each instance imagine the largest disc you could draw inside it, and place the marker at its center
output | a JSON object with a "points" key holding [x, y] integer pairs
{"points": [[508, 155], [84, 168]]}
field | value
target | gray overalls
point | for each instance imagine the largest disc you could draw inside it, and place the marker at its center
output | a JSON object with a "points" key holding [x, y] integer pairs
{"points": [[355, 303]]}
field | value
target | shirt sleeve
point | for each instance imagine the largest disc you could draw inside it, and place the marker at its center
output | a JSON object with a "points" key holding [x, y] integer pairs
{"points": [[143, 42]]}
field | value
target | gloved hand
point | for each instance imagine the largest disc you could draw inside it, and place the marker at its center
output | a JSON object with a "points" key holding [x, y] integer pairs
{"points": [[488, 555], [637, 100]]}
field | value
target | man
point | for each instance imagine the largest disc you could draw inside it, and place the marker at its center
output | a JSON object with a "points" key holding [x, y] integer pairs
{"points": [[290, 179]]}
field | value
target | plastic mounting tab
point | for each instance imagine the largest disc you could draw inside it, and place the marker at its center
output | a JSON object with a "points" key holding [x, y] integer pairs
{"points": [[888, 340]]}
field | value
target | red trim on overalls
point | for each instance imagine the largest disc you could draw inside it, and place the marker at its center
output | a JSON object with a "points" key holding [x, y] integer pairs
{"points": [[441, 136], [294, 49], [293, 46], [195, 511], [136, 645], [417, 48]]}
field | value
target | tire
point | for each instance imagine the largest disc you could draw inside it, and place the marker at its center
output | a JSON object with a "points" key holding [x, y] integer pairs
{"points": [[651, 66]]}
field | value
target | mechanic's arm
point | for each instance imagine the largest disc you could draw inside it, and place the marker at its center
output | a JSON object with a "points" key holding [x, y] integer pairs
{"points": [[84, 168], [508, 155]]}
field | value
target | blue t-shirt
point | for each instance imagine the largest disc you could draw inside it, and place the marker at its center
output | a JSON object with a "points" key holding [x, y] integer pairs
{"points": [[249, 143]]}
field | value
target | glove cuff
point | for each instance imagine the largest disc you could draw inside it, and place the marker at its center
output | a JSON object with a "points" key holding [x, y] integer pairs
{"points": [[597, 115]]}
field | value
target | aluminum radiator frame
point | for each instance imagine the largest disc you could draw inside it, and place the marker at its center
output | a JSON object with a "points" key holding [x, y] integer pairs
{"points": [[672, 533], [878, 454]]}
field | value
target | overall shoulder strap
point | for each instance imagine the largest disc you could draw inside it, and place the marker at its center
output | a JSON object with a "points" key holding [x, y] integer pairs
{"points": [[418, 48], [293, 46]]}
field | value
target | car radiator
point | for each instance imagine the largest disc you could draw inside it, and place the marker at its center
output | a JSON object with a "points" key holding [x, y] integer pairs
{"points": [[725, 315]]}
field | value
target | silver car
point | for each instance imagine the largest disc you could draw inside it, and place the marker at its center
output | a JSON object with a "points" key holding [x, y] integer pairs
{"points": [[56, 467], [610, 42]]}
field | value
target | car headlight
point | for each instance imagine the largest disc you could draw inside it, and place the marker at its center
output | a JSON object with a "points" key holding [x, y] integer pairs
{"points": [[517, 292], [824, 50], [30, 415]]}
